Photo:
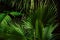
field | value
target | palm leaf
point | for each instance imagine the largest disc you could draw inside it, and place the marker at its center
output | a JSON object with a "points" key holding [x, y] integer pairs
{"points": [[6, 20], [2, 16], [48, 31]]}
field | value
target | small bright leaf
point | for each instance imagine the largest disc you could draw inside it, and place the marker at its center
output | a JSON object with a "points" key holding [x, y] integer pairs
{"points": [[15, 13]]}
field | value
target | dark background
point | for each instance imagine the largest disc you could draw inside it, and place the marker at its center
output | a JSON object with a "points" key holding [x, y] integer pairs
{"points": [[57, 30]]}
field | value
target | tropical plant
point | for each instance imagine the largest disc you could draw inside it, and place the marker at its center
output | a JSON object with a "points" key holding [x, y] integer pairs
{"points": [[38, 25]]}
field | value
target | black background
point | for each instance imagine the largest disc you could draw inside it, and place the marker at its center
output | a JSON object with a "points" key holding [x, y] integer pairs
{"points": [[57, 30]]}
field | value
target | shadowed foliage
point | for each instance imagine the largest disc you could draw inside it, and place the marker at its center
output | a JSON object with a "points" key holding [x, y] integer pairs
{"points": [[22, 20]]}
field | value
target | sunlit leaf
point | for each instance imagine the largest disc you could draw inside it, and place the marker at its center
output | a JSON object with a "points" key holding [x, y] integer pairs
{"points": [[2, 16], [6, 20], [15, 13], [18, 29]]}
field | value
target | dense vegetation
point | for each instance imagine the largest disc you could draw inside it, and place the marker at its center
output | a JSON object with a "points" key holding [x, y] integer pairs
{"points": [[27, 19]]}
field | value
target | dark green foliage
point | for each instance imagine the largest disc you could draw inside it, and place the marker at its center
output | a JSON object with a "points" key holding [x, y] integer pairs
{"points": [[37, 25]]}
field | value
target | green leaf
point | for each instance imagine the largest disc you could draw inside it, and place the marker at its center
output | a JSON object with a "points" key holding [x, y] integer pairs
{"points": [[48, 31], [37, 28], [6, 20], [2, 16], [15, 13], [4, 24], [18, 29], [41, 29], [27, 25]]}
